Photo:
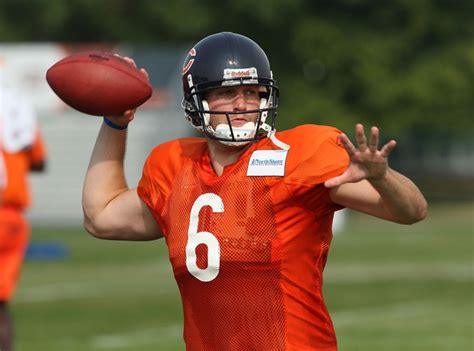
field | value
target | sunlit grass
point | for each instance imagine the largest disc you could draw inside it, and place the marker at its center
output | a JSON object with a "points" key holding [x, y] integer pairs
{"points": [[388, 287]]}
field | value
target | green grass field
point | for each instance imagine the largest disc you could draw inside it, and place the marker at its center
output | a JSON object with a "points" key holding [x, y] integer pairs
{"points": [[388, 288]]}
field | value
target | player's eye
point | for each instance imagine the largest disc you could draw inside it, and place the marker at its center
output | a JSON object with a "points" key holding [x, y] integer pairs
{"points": [[251, 94], [226, 93]]}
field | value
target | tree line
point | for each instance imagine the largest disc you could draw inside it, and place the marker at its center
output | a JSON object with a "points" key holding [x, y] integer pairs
{"points": [[405, 65]]}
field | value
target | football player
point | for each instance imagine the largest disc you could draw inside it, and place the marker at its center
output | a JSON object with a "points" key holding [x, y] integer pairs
{"points": [[21, 150], [246, 211]]}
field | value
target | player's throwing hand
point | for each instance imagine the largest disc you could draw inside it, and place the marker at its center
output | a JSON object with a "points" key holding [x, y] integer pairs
{"points": [[366, 161]]}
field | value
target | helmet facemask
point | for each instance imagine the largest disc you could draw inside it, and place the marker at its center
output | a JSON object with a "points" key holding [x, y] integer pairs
{"points": [[226, 60], [198, 113]]}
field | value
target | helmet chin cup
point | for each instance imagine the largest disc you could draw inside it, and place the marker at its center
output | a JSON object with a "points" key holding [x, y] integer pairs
{"points": [[245, 132], [234, 143]]}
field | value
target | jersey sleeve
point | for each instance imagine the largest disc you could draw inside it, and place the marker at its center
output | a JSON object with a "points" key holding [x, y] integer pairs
{"points": [[315, 156], [151, 189], [158, 176]]}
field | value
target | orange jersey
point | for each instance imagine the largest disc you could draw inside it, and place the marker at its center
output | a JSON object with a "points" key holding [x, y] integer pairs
{"points": [[14, 235], [17, 164], [248, 248]]}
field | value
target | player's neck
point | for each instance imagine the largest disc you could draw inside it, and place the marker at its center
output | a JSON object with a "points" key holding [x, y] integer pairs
{"points": [[223, 155]]}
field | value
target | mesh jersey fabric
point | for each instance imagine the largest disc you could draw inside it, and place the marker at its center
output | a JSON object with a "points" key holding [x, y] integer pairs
{"points": [[273, 237]]}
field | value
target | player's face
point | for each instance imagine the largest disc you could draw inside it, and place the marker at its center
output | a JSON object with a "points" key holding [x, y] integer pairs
{"points": [[234, 99]]}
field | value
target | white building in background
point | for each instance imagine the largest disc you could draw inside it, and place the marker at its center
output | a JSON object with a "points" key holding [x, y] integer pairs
{"points": [[70, 135]]}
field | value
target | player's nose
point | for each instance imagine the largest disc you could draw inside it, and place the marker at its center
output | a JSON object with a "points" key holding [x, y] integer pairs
{"points": [[240, 103]]}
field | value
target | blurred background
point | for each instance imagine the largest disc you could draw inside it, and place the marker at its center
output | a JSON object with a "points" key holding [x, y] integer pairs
{"points": [[405, 66]]}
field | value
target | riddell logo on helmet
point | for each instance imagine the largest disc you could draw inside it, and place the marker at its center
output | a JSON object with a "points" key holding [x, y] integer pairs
{"points": [[240, 74], [232, 73]]}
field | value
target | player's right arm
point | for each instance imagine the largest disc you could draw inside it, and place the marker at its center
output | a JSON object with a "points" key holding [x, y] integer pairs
{"points": [[111, 209]]}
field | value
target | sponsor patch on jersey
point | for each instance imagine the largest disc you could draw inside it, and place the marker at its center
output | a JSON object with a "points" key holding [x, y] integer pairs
{"points": [[267, 163]]}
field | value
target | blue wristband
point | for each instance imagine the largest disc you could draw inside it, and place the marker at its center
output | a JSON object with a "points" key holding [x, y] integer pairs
{"points": [[113, 125]]}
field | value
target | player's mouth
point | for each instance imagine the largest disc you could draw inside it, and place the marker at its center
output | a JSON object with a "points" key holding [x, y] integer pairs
{"points": [[238, 122]]}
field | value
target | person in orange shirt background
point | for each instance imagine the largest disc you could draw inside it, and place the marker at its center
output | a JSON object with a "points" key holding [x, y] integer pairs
{"points": [[246, 211], [22, 150]]}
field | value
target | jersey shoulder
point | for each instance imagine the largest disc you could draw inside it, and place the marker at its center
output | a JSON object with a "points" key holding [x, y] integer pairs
{"points": [[166, 159], [307, 140], [177, 151], [308, 135], [315, 153]]}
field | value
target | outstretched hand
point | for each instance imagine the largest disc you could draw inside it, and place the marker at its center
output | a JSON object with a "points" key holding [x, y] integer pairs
{"points": [[366, 161]]}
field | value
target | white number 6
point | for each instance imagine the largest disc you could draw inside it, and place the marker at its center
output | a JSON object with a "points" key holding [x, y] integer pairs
{"points": [[206, 238]]}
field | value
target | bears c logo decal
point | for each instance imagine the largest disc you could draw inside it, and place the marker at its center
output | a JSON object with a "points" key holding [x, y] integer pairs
{"points": [[189, 60]]}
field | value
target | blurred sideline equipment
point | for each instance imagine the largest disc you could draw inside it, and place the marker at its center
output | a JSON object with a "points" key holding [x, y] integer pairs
{"points": [[52, 250], [22, 150], [98, 83]]}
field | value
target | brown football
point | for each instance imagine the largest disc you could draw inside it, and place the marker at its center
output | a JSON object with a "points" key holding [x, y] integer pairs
{"points": [[98, 83]]}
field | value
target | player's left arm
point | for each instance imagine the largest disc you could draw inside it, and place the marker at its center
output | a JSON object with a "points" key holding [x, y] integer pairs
{"points": [[369, 185], [3, 177], [37, 154]]}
